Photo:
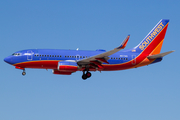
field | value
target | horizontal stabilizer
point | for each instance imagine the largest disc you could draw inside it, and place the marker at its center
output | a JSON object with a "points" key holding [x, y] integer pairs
{"points": [[159, 55]]}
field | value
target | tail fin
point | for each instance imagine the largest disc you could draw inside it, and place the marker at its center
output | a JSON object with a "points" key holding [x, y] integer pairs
{"points": [[152, 43]]}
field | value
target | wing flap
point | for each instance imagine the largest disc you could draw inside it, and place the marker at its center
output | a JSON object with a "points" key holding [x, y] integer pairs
{"points": [[159, 55]]}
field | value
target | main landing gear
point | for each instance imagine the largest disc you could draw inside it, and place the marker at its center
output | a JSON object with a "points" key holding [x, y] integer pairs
{"points": [[86, 75]]}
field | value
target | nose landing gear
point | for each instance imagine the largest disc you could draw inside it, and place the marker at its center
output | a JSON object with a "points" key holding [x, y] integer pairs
{"points": [[21, 68], [86, 75], [24, 73]]}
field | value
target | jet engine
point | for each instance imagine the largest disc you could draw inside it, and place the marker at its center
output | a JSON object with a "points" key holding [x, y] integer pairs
{"points": [[66, 68]]}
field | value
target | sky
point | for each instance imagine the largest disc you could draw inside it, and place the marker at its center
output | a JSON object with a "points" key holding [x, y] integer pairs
{"points": [[145, 93]]}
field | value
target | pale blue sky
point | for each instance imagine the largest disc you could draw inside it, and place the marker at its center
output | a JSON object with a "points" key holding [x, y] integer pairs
{"points": [[146, 93]]}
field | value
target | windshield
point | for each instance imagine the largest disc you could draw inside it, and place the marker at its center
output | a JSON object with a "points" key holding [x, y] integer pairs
{"points": [[16, 54]]}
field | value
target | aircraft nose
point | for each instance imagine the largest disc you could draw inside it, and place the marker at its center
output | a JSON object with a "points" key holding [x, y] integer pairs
{"points": [[8, 60]]}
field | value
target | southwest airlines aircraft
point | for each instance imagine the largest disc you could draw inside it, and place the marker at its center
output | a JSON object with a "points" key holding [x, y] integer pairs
{"points": [[66, 62]]}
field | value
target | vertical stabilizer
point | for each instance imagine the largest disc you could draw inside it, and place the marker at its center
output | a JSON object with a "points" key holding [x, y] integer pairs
{"points": [[152, 43]]}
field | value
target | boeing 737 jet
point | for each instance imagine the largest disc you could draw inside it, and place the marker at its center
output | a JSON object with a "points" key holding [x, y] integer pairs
{"points": [[66, 62]]}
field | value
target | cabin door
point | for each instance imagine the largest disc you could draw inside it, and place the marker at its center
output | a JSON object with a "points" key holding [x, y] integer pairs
{"points": [[77, 57], [29, 55], [133, 59]]}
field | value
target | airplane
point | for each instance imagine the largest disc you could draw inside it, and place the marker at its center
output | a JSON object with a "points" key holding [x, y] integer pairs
{"points": [[66, 62]]}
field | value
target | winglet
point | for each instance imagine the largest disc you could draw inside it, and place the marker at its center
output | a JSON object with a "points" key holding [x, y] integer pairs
{"points": [[123, 44]]}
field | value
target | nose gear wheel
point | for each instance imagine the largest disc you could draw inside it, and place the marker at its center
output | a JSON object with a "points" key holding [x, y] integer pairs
{"points": [[23, 73]]}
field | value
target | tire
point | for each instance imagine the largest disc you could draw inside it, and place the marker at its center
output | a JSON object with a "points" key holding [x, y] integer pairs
{"points": [[88, 74], [23, 73], [84, 77]]}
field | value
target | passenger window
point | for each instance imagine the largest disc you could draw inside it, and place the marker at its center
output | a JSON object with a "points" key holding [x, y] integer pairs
{"points": [[42, 55], [47, 55], [52, 55], [57, 55]]}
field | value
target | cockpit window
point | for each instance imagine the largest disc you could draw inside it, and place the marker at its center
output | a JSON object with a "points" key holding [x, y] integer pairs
{"points": [[16, 54]]}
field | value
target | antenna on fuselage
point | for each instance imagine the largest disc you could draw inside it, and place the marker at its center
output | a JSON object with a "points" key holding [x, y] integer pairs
{"points": [[77, 49]]}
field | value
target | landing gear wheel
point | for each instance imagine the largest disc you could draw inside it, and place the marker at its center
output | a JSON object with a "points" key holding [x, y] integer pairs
{"points": [[84, 77], [23, 73], [88, 74]]}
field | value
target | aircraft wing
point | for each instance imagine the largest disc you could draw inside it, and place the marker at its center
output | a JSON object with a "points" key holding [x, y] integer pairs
{"points": [[103, 57]]}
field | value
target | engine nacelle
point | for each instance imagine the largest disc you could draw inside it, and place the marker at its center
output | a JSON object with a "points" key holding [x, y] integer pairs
{"points": [[61, 72], [67, 66]]}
